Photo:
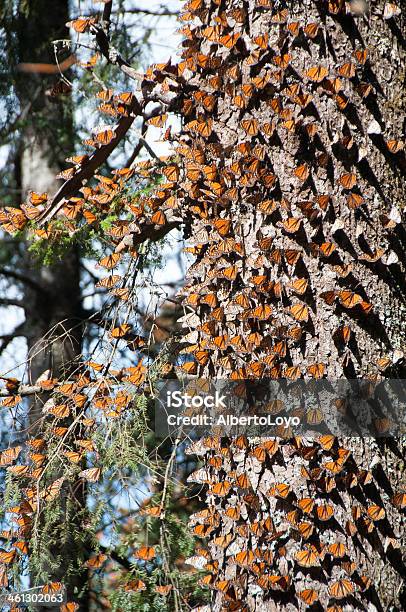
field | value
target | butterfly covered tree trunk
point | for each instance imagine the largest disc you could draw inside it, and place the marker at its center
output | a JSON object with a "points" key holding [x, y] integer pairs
{"points": [[52, 295], [293, 160]]}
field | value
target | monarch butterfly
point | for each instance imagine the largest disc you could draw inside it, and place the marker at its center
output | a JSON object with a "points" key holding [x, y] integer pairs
{"points": [[293, 28], [364, 89], [268, 128], [291, 225], [348, 180], [145, 553], [325, 512], [82, 24], [223, 541], [373, 257], [121, 331], [300, 312], [163, 589], [202, 126], [10, 455], [347, 70], [243, 481], [221, 489], [262, 40], [280, 17], [91, 474], [354, 200], [299, 285], [307, 558], [290, 125], [314, 416], [306, 504], [158, 218], [293, 517], [350, 528], [399, 500], [103, 138], [311, 129], [222, 226], [311, 30], [109, 281], [306, 529], [73, 456], [244, 558], [337, 549], [348, 299], [309, 596], [342, 101], [233, 513], [316, 370], [135, 585], [110, 261], [211, 33], [302, 172], [61, 411], [316, 73], [89, 216], [267, 207], [97, 561], [326, 248], [361, 55], [282, 61], [250, 126], [341, 588], [292, 373], [280, 490], [394, 146], [303, 99], [327, 442], [229, 40], [158, 121], [291, 256], [376, 513], [274, 407]]}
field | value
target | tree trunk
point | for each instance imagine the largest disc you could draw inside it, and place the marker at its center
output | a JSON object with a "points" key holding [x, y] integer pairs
{"points": [[295, 140], [53, 297]]}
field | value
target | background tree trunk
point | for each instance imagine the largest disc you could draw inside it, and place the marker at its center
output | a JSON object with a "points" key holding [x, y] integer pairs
{"points": [[298, 140], [52, 298]]}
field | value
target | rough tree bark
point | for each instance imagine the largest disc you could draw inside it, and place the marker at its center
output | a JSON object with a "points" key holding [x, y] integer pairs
{"points": [[294, 172]]}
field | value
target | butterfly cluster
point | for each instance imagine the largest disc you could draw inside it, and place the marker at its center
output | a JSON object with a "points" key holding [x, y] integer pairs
{"points": [[276, 178]]}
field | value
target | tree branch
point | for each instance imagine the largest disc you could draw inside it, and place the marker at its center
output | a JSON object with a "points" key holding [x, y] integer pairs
{"points": [[11, 302], [23, 390], [71, 186], [22, 278], [162, 12], [107, 13], [17, 332]]}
